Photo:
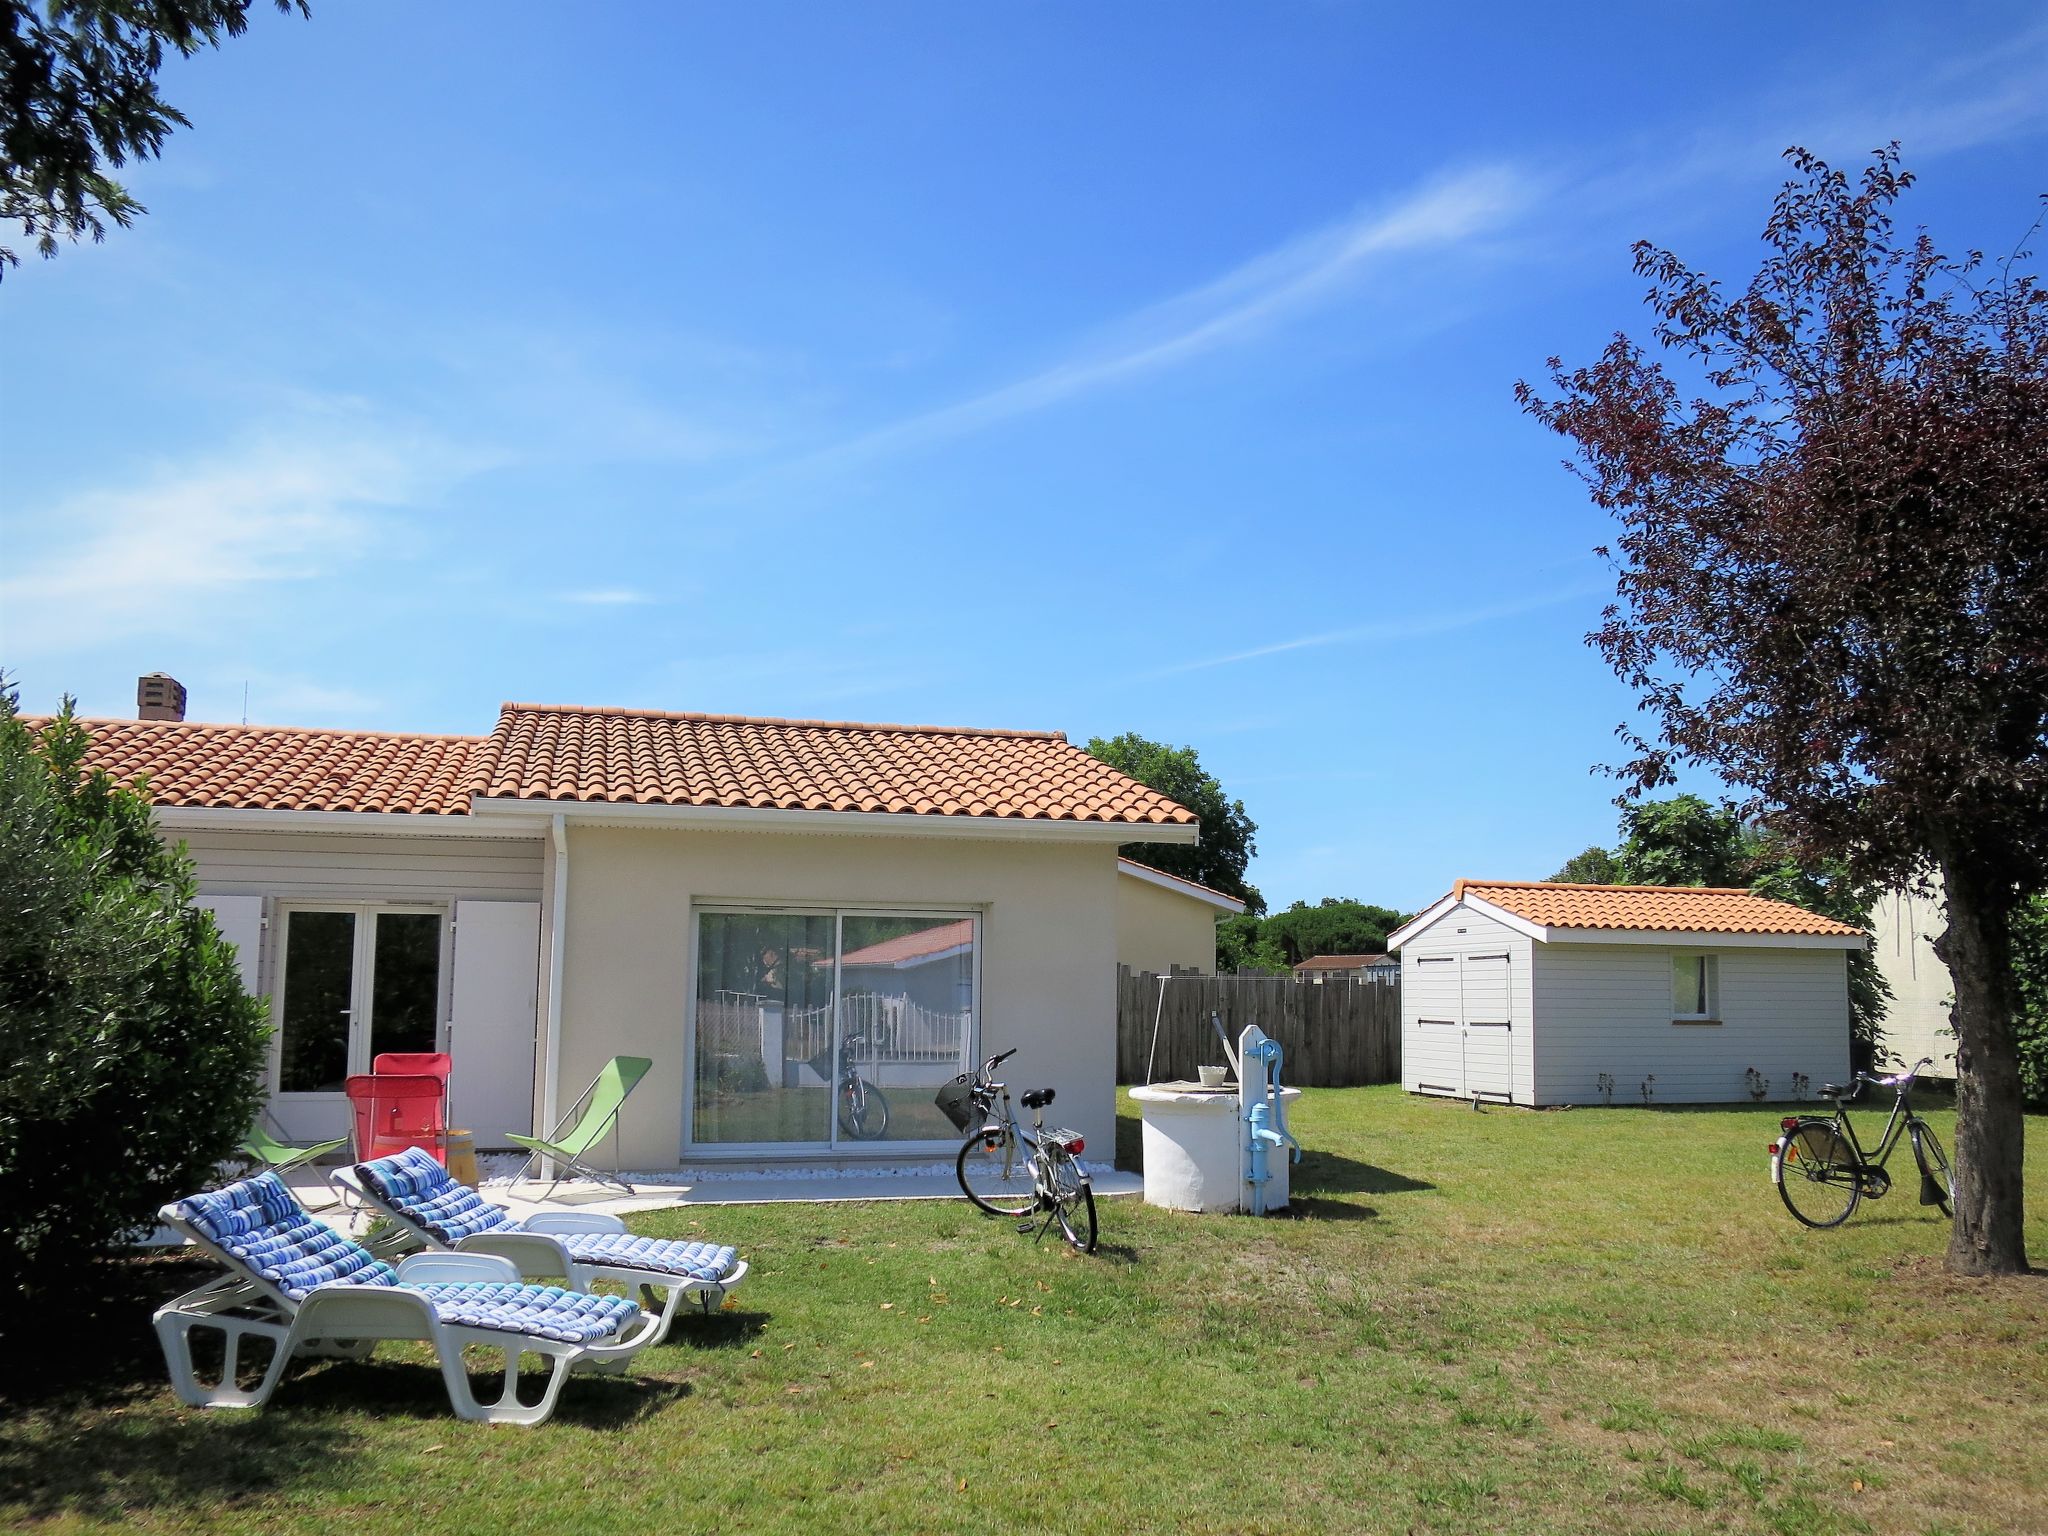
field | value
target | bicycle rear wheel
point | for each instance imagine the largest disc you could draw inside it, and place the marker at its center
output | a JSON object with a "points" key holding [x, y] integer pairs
{"points": [[863, 1111], [1818, 1174], [995, 1173], [1933, 1163], [1074, 1200]]}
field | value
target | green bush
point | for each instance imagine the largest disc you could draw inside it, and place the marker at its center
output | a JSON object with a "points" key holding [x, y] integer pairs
{"points": [[130, 1055], [738, 1074]]}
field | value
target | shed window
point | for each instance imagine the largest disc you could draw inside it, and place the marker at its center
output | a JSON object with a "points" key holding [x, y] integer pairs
{"points": [[1694, 986]]}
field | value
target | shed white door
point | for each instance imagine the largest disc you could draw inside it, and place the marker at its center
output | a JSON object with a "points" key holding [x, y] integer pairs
{"points": [[1438, 1044], [1489, 1025], [493, 1012]]}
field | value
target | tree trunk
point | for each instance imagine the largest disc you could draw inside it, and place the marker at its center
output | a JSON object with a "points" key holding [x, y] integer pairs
{"points": [[1990, 1200]]}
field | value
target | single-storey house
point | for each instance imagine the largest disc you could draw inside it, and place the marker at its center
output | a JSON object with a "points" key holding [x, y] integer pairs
{"points": [[736, 899], [1531, 992], [1166, 923], [1321, 968]]}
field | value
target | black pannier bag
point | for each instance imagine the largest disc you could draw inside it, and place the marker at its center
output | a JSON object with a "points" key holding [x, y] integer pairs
{"points": [[956, 1103]]}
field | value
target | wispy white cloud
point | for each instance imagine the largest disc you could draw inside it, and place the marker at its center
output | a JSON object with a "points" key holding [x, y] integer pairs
{"points": [[1244, 302], [1412, 627], [162, 552], [608, 597]]}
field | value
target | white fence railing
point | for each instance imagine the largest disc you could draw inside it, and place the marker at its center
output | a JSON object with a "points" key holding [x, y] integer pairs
{"points": [[883, 1029], [886, 1030]]}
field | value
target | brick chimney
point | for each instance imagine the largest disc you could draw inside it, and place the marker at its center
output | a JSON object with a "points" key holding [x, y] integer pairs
{"points": [[159, 696]]}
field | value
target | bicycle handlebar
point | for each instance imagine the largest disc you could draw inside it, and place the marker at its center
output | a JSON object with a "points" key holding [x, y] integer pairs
{"points": [[996, 1061], [1899, 1080]]}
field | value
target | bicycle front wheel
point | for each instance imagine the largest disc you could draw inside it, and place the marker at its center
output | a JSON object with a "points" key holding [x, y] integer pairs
{"points": [[995, 1173], [1818, 1174], [863, 1112], [1934, 1168], [1074, 1200]]}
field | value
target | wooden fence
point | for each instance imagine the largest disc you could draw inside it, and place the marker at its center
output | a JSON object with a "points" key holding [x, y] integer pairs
{"points": [[1336, 1035]]}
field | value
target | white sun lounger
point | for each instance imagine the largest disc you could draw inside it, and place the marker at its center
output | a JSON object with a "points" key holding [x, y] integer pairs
{"points": [[577, 1248], [311, 1291]]}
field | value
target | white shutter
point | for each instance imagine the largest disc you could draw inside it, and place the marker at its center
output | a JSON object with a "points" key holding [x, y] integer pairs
{"points": [[495, 1007], [240, 921]]}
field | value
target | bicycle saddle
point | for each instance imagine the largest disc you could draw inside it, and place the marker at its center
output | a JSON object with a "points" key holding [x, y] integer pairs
{"points": [[1037, 1098], [1836, 1090]]}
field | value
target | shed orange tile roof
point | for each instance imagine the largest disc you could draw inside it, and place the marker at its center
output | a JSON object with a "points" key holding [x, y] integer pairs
{"points": [[646, 757], [286, 768], [1650, 908]]}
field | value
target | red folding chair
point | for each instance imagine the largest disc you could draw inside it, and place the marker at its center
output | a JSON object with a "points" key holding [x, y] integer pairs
{"points": [[396, 1111], [436, 1064]]}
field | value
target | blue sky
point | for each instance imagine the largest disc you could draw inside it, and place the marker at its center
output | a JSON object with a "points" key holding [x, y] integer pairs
{"points": [[1138, 367]]}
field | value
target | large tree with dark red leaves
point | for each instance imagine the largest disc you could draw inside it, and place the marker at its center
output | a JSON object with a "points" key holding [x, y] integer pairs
{"points": [[1832, 490]]}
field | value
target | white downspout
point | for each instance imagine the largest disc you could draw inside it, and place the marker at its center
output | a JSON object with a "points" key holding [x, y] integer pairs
{"points": [[558, 905]]}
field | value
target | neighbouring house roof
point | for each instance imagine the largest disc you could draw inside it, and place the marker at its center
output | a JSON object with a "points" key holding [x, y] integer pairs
{"points": [[286, 768], [912, 949], [1343, 963], [1550, 911], [632, 757], [1180, 885]]}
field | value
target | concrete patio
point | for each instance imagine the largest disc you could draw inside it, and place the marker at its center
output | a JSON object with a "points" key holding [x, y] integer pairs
{"points": [[757, 1185]]}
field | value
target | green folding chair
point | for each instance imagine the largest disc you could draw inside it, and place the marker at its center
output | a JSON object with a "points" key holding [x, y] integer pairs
{"points": [[267, 1154], [586, 1124], [280, 1157]]}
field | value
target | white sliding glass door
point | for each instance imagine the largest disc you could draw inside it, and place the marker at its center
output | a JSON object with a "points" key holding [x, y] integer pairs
{"points": [[829, 1029]]}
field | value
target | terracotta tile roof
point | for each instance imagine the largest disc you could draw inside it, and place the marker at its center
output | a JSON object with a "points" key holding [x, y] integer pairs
{"points": [[645, 757], [286, 768], [1343, 962], [635, 757], [1650, 908], [909, 948]]}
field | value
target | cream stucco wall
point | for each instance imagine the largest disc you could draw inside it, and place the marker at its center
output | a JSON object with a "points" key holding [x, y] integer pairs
{"points": [[1048, 978], [1157, 929]]}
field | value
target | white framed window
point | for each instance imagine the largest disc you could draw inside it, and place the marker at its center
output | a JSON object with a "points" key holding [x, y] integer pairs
{"points": [[1695, 989]]}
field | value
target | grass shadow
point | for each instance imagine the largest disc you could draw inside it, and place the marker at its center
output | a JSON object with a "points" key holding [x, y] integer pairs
{"points": [[1329, 1173], [1115, 1253], [89, 1463], [717, 1330], [409, 1389]]}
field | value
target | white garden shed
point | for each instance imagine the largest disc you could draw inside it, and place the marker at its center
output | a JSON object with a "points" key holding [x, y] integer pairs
{"points": [[1531, 992]]}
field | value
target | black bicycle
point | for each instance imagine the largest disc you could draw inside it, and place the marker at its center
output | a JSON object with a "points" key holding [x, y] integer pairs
{"points": [[1822, 1170], [1035, 1175], [863, 1109]]}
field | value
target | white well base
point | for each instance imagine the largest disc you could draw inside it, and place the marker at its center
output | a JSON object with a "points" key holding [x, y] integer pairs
{"points": [[1196, 1157]]}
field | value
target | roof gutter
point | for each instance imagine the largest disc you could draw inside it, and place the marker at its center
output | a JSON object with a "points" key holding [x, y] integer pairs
{"points": [[216, 818], [505, 810], [1178, 886]]}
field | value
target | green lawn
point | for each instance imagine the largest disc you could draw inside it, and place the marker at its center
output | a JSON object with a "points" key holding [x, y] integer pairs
{"points": [[1600, 1320]]}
